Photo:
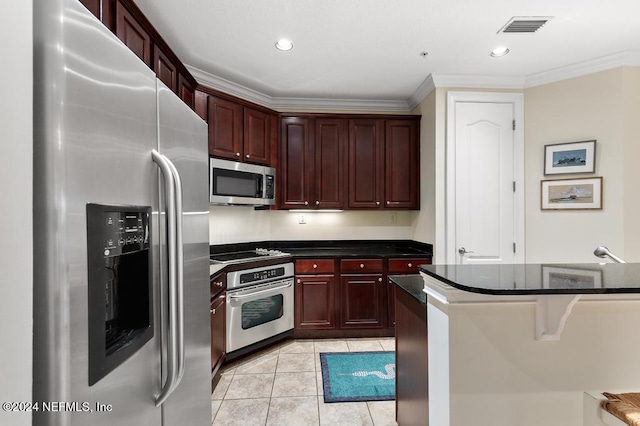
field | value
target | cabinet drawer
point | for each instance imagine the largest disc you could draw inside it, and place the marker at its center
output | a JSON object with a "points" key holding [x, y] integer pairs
{"points": [[315, 266], [217, 284], [361, 265], [406, 265]]}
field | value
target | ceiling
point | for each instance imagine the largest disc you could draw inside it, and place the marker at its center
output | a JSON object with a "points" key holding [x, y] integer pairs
{"points": [[369, 51]]}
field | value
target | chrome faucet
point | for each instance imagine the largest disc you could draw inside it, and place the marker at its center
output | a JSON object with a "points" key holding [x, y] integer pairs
{"points": [[603, 252]]}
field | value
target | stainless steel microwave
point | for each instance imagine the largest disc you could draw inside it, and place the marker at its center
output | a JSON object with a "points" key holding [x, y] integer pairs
{"points": [[234, 183]]}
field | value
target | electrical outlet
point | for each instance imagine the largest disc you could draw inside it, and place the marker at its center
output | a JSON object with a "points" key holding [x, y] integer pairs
{"points": [[393, 218], [302, 218]]}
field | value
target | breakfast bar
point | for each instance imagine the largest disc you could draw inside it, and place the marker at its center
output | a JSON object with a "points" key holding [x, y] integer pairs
{"points": [[520, 344]]}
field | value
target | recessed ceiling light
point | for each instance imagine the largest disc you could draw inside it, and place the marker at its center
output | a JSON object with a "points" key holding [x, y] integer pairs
{"points": [[499, 51], [284, 44]]}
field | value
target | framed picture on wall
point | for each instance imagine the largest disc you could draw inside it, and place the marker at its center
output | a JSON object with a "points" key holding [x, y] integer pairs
{"points": [[554, 277], [572, 157], [571, 194]]}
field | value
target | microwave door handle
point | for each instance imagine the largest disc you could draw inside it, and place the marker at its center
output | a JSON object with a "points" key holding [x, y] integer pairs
{"points": [[179, 302], [172, 349], [260, 186]]}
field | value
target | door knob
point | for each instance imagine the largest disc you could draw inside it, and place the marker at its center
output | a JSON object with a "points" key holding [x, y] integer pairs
{"points": [[464, 251]]}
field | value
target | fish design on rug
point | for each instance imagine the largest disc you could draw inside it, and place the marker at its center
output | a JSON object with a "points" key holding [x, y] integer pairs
{"points": [[389, 368]]}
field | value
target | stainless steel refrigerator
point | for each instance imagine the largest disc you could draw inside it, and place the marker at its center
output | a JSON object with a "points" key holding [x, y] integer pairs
{"points": [[121, 279]]}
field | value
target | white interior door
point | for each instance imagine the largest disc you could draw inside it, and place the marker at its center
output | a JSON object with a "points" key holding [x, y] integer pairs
{"points": [[485, 162]]}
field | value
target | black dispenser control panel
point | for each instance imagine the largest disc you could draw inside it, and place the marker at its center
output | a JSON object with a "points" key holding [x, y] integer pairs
{"points": [[125, 232], [120, 301]]}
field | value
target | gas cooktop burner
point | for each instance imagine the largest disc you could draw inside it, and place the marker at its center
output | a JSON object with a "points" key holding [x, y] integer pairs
{"points": [[246, 256]]}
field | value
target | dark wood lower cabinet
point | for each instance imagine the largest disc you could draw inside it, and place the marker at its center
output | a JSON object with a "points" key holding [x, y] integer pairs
{"points": [[314, 302], [412, 377], [218, 331], [362, 299]]}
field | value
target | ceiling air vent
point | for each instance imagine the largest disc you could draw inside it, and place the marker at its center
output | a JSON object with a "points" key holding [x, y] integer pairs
{"points": [[524, 24]]}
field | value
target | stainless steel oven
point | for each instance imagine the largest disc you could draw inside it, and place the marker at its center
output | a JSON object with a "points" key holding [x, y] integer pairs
{"points": [[259, 304]]}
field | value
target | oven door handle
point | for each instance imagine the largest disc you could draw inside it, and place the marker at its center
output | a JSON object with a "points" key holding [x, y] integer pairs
{"points": [[268, 290]]}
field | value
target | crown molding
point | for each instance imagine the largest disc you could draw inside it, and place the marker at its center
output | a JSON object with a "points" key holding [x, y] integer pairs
{"points": [[629, 58], [478, 81], [425, 88], [295, 104], [226, 86], [626, 58]]}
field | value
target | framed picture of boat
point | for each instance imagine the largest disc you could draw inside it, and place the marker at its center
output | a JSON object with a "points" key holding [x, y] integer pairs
{"points": [[572, 157], [571, 194]]}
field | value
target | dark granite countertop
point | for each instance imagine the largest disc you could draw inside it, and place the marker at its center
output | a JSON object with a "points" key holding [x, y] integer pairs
{"points": [[339, 248], [412, 284], [532, 279]]}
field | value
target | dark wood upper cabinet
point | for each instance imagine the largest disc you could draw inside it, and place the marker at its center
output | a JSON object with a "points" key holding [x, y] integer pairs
{"points": [[225, 128], [129, 24], [93, 6], [165, 70], [356, 162], [366, 163], [201, 100], [257, 136], [133, 34], [296, 164], [329, 155], [402, 164], [186, 92]]}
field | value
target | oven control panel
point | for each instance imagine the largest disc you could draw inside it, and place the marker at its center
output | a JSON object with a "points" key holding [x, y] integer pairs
{"points": [[259, 275]]}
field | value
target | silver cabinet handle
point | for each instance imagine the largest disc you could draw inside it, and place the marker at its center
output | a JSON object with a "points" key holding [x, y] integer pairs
{"points": [[247, 156], [306, 203], [409, 265], [462, 251], [237, 154], [213, 311], [388, 202], [379, 280], [315, 266], [172, 338], [317, 203], [299, 281], [361, 265], [377, 203]]}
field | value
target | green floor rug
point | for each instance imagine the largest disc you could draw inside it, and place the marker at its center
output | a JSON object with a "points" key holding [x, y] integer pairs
{"points": [[358, 376]]}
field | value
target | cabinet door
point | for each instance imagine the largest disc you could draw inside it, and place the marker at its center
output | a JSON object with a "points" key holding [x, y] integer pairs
{"points": [[366, 164], [93, 6], [165, 70], [218, 330], [225, 128], [402, 152], [201, 100], [132, 34], [330, 151], [257, 134], [296, 164], [314, 302], [186, 92], [362, 301]]}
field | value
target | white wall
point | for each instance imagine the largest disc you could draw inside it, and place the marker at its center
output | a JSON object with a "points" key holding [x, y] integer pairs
{"points": [[16, 250], [631, 108], [595, 106], [230, 224]]}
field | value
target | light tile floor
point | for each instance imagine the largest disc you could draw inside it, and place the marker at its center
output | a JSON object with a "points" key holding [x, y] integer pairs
{"points": [[282, 385]]}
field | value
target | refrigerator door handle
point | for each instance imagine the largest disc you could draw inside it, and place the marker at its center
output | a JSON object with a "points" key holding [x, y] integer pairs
{"points": [[179, 270], [172, 338]]}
